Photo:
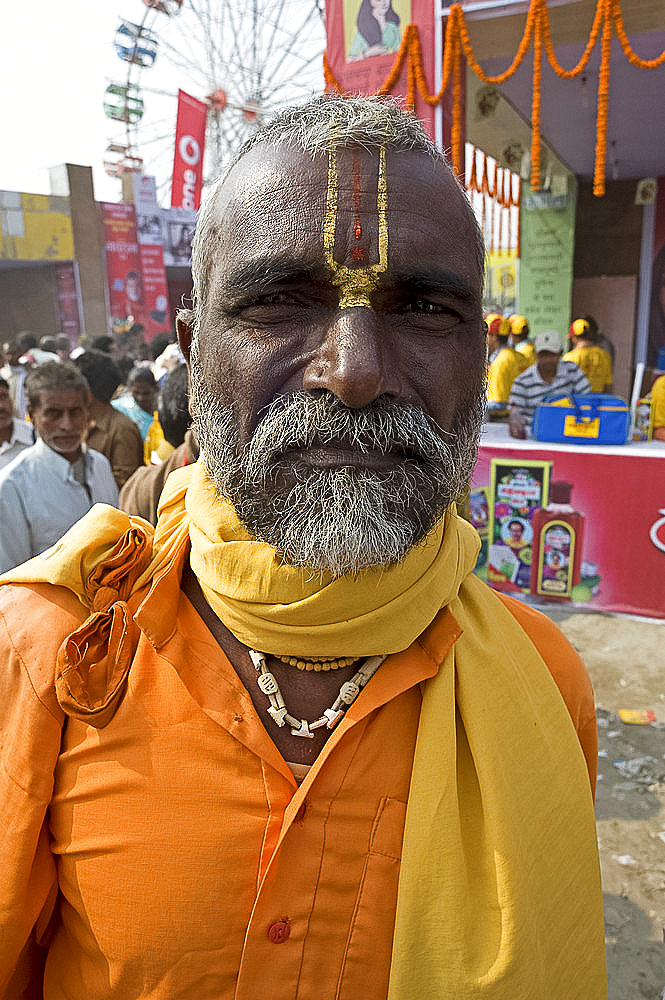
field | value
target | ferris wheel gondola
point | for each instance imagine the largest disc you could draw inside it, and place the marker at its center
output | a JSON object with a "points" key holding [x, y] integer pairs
{"points": [[249, 57]]}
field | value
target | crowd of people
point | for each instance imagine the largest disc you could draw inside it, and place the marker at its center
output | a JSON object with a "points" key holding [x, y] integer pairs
{"points": [[524, 372], [135, 417], [78, 428]]}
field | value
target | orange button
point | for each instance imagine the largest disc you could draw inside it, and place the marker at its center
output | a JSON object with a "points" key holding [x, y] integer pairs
{"points": [[279, 931]]}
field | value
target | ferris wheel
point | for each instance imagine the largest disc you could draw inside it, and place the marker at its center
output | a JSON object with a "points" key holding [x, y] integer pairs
{"points": [[245, 59]]}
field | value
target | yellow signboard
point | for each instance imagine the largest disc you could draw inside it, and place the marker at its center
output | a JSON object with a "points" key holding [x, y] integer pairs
{"points": [[35, 227], [501, 280]]}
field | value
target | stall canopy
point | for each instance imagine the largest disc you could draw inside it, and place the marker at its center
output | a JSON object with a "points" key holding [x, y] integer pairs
{"points": [[568, 110]]}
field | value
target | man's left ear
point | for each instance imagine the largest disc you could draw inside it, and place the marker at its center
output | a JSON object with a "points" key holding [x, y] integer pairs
{"points": [[184, 329]]}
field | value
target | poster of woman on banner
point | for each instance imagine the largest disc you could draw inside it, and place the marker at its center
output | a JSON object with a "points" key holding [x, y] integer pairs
{"points": [[378, 28]]}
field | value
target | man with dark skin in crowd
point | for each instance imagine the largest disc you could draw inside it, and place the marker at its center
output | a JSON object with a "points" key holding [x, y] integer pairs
{"points": [[110, 432], [287, 744], [15, 434], [140, 494], [51, 484], [550, 374]]}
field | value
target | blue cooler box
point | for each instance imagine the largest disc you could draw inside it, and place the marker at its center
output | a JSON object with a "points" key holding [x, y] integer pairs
{"points": [[597, 418]]}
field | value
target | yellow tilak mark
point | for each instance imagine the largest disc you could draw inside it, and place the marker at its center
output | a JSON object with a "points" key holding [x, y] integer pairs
{"points": [[355, 283]]}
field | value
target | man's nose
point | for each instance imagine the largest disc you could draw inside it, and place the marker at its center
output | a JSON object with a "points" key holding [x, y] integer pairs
{"points": [[355, 360], [66, 421]]}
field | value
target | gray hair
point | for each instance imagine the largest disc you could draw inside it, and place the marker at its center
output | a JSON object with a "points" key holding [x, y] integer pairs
{"points": [[368, 122], [54, 376]]}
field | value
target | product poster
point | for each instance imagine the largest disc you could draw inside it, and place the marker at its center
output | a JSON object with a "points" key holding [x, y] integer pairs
{"points": [[547, 241], [187, 180], [70, 307], [179, 225], [363, 38], [501, 286], [123, 264], [517, 490], [155, 291], [480, 519], [597, 542]]}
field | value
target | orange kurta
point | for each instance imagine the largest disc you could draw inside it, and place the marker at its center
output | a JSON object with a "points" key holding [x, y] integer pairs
{"points": [[188, 861]]}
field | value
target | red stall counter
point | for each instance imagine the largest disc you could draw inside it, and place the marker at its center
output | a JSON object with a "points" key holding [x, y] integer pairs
{"points": [[604, 550]]}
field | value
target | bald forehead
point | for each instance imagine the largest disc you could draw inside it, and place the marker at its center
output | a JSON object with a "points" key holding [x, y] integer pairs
{"points": [[284, 200], [266, 171]]}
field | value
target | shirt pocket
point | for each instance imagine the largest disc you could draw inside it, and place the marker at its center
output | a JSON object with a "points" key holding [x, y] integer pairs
{"points": [[366, 968]]}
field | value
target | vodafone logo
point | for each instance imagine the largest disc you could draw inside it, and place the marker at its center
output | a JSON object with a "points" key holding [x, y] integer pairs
{"points": [[657, 532], [190, 150], [190, 153]]}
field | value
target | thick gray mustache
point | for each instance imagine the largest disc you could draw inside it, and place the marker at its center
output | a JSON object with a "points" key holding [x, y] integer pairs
{"points": [[300, 421]]}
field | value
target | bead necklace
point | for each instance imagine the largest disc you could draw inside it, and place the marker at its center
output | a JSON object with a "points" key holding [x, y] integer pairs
{"points": [[317, 662], [348, 693]]}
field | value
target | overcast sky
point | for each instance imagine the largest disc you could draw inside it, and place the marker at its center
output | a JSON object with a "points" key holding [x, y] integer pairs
{"points": [[56, 59]]}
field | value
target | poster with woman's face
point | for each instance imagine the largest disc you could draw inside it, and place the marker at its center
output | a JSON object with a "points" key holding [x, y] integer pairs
{"points": [[374, 27]]}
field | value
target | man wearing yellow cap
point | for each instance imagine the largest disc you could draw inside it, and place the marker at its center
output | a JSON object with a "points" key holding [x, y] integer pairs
{"points": [[590, 357], [519, 336], [505, 364], [287, 744]]}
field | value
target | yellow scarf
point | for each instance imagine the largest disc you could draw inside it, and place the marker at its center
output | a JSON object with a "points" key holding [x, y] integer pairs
{"points": [[499, 890], [283, 609]]}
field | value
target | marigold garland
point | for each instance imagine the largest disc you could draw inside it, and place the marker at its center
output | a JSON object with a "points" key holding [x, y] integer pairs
{"points": [[500, 191], [608, 19], [540, 15], [603, 102]]}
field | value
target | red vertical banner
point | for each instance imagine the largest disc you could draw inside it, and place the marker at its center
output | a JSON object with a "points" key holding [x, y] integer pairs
{"points": [[69, 299], [155, 290], [150, 232], [123, 264], [187, 181], [363, 39]]}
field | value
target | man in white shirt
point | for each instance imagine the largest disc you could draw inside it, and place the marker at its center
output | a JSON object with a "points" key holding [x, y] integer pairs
{"points": [[14, 373], [549, 374], [50, 485], [15, 435]]}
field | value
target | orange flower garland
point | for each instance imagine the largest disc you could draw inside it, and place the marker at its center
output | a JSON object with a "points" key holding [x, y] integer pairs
{"points": [[608, 17], [501, 193], [625, 44], [603, 101], [536, 95]]}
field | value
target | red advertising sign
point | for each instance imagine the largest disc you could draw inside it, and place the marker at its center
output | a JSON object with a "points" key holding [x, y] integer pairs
{"points": [[363, 39], [187, 179], [123, 263], [155, 290], [69, 300]]}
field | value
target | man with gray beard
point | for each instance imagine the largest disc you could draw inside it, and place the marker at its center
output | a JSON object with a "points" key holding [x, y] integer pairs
{"points": [[288, 745]]}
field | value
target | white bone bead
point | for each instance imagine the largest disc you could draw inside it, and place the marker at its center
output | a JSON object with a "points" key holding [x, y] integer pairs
{"points": [[349, 692], [267, 683], [333, 717], [256, 658], [303, 730], [278, 715]]}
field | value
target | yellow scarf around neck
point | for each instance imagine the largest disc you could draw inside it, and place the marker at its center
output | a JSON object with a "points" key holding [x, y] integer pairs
{"points": [[288, 610], [499, 889]]}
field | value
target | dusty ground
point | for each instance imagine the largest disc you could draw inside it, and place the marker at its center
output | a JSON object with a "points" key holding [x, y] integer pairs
{"points": [[626, 661]]}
